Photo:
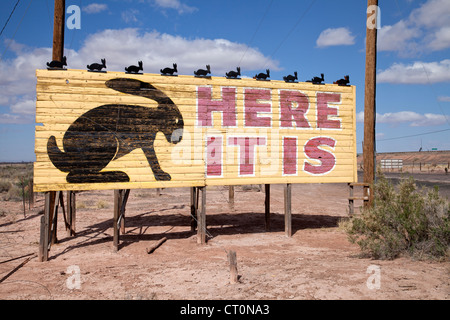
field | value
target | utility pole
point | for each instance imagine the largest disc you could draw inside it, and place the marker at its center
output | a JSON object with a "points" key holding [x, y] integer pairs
{"points": [[58, 30], [50, 197], [369, 97]]}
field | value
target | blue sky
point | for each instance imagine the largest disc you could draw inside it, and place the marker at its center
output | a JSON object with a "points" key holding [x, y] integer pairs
{"points": [[307, 36]]}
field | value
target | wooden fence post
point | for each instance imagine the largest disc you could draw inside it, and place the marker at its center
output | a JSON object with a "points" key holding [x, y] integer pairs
{"points": [[233, 266]]}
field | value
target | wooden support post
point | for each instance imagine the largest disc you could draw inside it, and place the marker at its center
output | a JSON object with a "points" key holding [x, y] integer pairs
{"points": [[71, 213], [351, 207], [231, 197], [194, 207], [267, 206], [370, 98], [45, 228], [117, 206], [287, 210], [123, 204], [54, 216], [201, 219], [233, 266]]}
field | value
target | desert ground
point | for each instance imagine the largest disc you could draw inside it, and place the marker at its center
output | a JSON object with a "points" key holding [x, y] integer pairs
{"points": [[317, 262]]}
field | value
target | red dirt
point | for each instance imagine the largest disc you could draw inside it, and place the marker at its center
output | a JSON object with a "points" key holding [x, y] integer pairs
{"points": [[318, 262]]}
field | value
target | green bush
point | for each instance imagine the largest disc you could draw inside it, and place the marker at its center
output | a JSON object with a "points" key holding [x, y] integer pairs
{"points": [[402, 220]]}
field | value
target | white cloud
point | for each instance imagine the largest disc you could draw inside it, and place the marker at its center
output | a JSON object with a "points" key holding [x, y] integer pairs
{"points": [[95, 8], [122, 48], [130, 15], [335, 37], [444, 99], [24, 107], [440, 39], [396, 37], [126, 46], [416, 73], [413, 118], [425, 30], [433, 13], [176, 5]]}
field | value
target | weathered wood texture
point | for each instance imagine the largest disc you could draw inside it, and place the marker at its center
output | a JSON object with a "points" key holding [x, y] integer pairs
{"points": [[120, 131]]}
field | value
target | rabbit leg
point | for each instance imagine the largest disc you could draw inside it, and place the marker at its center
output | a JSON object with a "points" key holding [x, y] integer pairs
{"points": [[152, 159]]}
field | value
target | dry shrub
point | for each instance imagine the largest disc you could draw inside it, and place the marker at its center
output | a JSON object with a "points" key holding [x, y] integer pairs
{"points": [[402, 220]]}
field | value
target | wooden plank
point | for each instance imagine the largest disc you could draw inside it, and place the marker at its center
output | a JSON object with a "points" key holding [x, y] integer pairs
{"points": [[156, 245]]}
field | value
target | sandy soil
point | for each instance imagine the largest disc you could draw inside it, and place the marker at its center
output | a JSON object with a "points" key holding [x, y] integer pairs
{"points": [[318, 262]]}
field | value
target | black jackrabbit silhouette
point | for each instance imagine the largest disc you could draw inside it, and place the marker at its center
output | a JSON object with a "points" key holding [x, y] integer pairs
{"points": [[291, 78], [169, 71], [262, 76], [202, 72], [97, 66], [111, 131], [57, 64], [135, 69], [317, 80], [233, 74], [343, 82]]}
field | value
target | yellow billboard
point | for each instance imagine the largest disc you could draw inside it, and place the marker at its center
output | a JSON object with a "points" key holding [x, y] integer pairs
{"points": [[124, 131]]}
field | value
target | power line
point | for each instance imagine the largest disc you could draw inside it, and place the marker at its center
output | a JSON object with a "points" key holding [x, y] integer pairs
{"points": [[290, 31], [414, 135], [10, 15], [256, 31], [20, 22]]}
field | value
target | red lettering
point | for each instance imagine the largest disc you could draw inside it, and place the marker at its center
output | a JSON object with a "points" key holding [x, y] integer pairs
{"points": [[253, 107], [246, 152], [324, 110], [206, 106], [290, 115], [313, 151], [289, 155], [214, 156]]}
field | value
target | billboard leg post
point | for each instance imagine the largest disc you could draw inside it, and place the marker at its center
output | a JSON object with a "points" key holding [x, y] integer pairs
{"points": [[267, 206], [116, 227], [194, 207], [287, 210], [201, 219]]}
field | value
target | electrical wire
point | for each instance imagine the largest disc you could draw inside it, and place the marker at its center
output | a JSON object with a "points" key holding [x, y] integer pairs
{"points": [[413, 135], [10, 15], [290, 32], [20, 22], [256, 31]]}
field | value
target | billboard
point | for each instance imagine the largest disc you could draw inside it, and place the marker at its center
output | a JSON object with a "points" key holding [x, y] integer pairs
{"points": [[124, 131]]}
